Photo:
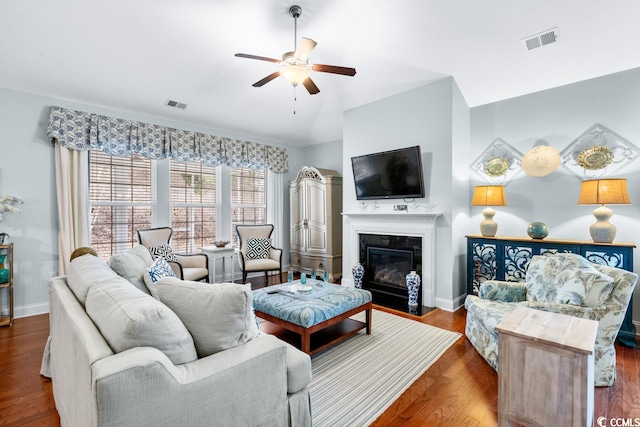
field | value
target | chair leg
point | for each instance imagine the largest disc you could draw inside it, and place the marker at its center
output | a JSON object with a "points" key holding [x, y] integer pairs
{"points": [[266, 277], [244, 277], [280, 276]]}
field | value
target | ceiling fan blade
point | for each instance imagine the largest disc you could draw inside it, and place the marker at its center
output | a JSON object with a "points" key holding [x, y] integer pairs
{"points": [[345, 71], [261, 58], [310, 86], [266, 79], [304, 48]]}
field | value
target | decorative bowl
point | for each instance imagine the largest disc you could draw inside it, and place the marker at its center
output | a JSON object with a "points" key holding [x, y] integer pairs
{"points": [[537, 230], [221, 243]]}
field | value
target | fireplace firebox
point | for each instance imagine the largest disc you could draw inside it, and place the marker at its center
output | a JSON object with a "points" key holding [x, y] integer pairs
{"points": [[387, 259]]}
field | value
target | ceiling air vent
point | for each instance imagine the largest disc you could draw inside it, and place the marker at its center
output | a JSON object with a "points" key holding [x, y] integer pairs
{"points": [[541, 39], [176, 104]]}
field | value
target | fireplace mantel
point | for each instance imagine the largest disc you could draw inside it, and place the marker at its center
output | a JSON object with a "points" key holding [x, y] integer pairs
{"points": [[394, 217], [401, 224]]}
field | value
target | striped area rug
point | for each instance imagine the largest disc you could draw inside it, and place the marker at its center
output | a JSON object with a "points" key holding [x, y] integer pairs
{"points": [[355, 381]]}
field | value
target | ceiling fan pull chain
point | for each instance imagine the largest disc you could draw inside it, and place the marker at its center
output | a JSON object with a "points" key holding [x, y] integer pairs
{"points": [[295, 99]]}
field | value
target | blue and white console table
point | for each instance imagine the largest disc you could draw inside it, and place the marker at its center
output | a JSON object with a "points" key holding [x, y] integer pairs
{"points": [[507, 258]]}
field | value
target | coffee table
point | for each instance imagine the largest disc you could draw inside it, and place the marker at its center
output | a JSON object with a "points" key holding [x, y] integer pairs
{"points": [[322, 320]]}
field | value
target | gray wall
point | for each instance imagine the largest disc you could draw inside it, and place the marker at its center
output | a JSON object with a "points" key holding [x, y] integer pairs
{"points": [[559, 116], [435, 117]]}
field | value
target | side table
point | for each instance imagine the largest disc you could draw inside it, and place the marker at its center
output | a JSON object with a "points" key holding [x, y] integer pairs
{"points": [[545, 369], [215, 253]]}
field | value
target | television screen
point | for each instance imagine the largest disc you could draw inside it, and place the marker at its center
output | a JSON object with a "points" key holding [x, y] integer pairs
{"points": [[395, 174]]}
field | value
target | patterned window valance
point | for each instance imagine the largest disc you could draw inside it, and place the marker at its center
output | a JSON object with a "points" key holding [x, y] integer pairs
{"points": [[78, 130]]}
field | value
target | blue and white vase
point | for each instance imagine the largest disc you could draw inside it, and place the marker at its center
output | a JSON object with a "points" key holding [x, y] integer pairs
{"points": [[413, 286], [358, 275]]}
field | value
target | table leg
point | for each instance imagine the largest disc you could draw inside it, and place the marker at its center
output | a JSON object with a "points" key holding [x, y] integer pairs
{"points": [[305, 343], [368, 320]]}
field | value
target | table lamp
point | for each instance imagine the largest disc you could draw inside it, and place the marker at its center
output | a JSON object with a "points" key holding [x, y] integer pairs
{"points": [[489, 195], [612, 191]]}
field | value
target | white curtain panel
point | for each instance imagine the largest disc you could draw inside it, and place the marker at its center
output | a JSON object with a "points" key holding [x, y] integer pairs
{"points": [[72, 187], [275, 206]]}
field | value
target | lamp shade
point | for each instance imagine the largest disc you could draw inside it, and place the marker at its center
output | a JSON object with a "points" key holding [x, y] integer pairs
{"points": [[489, 195], [611, 191]]}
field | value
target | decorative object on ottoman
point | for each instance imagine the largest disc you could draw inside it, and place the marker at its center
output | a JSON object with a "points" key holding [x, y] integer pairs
{"points": [[221, 243], [489, 195], [540, 161], [600, 192], [537, 230], [358, 274], [413, 285]]}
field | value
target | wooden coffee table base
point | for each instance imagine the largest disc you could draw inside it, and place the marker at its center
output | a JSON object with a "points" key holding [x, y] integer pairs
{"points": [[322, 335]]}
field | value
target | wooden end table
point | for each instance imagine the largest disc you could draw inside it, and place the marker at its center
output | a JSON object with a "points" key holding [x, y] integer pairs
{"points": [[545, 369]]}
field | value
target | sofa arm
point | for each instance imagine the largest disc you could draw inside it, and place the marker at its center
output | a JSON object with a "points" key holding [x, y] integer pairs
{"points": [[496, 290], [238, 386]]}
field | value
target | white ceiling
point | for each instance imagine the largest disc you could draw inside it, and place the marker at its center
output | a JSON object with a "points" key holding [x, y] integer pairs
{"points": [[134, 55]]}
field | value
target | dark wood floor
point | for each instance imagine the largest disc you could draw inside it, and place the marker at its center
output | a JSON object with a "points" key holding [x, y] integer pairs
{"points": [[460, 389]]}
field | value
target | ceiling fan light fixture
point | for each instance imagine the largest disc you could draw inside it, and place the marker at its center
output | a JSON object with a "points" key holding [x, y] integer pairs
{"points": [[295, 74]]}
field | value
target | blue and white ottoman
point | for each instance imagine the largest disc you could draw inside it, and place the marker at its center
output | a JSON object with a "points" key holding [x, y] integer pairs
{"points": [[320, 310]]}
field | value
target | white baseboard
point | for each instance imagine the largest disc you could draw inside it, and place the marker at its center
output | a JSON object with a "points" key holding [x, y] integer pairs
{"points": [[451, 305], [31, 310]]}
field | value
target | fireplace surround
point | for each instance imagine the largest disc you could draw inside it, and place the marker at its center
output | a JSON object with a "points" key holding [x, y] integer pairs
{"points": [[395, 227]]}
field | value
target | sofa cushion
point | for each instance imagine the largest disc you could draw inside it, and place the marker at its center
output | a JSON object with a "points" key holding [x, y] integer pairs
{"points": [[163, 251], [219, 316], [85, 271], [258, 248], [156, 271], [132, 265], [566, 279], [129, 318]]}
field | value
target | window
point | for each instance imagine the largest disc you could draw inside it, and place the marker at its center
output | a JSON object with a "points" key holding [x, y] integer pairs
{"points": [[194, 205], [120, 199], [248, 198]]}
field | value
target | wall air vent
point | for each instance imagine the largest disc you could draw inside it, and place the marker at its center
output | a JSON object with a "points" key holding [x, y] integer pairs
{"points": [[176, 104], [541, 39]]}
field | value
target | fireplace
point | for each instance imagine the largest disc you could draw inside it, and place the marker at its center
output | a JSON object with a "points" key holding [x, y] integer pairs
{"points": [[419, 228], [387, 259]]}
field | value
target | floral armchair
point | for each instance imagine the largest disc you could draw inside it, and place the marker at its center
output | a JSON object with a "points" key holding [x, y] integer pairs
{"points": [[560, 283]]}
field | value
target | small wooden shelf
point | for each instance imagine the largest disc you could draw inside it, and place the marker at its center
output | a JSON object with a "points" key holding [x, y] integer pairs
{"points": [[8, 264]]}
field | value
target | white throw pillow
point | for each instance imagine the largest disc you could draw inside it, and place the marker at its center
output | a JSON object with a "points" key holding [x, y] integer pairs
{"points": [[132, 265], [258, 248], [218, 316], [129, 318], [159, 269]]}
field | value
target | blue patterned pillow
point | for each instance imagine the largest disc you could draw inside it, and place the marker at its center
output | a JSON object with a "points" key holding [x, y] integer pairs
{"points": [[163, 251], [258, 248], [160, 269]]}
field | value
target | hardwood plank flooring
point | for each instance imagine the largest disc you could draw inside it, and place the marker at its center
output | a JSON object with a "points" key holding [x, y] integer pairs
{"points": [[460, 389]]}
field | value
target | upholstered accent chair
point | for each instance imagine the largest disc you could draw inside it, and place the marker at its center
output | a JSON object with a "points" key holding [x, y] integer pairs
{"points": [[562, 283], [185, 266], [256, 251]]}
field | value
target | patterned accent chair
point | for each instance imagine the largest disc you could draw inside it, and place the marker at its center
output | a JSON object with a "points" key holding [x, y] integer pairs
{"points": [[185, 266], [256, 252], [559, 283]]}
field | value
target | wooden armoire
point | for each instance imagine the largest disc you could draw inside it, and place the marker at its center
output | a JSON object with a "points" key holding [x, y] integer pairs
{"points": [[316, 222]]}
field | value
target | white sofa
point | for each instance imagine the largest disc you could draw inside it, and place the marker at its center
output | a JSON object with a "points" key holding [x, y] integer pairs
{"points": [[119, 357]]}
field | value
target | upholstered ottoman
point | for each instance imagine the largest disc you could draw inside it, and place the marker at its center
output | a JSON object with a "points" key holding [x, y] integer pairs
{"points": [[326, 311]]}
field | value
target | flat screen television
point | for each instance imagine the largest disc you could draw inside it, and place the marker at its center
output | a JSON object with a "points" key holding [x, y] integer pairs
{"points": [[394, 174]]}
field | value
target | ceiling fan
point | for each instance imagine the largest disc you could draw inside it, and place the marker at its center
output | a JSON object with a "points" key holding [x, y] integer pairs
{"points": [[295, 65]]}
